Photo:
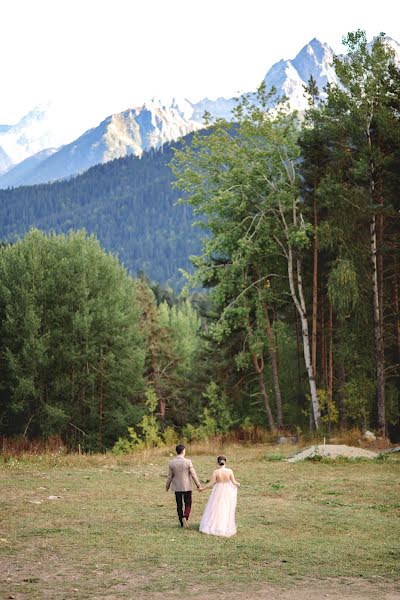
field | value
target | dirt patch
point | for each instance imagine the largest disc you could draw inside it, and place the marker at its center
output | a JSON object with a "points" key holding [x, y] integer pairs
{"points": [[345, 589], [333, 451], [26, 581]]}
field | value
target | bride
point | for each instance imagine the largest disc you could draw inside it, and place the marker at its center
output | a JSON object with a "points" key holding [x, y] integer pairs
{"points": [[219, 515]]}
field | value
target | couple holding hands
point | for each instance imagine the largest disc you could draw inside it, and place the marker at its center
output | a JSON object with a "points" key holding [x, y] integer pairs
{"points": [[219, 515]]}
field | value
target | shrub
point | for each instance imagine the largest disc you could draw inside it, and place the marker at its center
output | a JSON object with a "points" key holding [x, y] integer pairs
{"points": [[170, 436]]}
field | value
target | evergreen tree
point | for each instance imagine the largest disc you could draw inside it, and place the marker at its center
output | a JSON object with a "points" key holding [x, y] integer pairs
{"points": [[357, 134]]}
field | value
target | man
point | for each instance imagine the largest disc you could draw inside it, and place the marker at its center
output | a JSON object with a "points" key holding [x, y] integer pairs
{"points": [[180, 474]]}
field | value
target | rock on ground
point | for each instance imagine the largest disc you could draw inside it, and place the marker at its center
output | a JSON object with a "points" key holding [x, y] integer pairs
{"points": [[333, 451]]}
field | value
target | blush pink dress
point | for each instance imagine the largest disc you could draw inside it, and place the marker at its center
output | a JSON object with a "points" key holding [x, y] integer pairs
{"points": [[219, 514]]}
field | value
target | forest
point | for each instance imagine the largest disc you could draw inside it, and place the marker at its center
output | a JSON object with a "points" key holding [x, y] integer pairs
{"points": [[128, 203], [290, 320]]}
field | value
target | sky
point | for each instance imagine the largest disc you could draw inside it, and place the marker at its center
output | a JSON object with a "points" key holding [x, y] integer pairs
{"points": [[98, 57]]}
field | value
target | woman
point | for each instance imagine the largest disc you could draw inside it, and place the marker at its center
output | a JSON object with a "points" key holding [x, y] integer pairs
{"points": [[219, 515]]}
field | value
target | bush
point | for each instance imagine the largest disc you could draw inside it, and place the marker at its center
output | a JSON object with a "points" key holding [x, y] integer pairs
{"points": [[170, 436], [189, 433]]}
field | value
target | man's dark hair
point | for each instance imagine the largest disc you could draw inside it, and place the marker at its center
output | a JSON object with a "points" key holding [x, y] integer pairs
{"points": [[180, 448]]}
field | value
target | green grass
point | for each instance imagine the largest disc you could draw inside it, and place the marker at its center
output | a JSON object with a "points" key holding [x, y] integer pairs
{"points": [[115, 528]]}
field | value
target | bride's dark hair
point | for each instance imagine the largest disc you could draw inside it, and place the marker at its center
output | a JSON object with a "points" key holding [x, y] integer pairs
{"points": [[221, 460]]}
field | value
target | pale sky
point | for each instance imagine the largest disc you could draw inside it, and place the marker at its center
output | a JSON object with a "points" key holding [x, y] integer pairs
{"points": [[103, 56]]}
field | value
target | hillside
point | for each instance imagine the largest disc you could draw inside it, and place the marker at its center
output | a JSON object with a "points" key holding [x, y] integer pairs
{"points": [[127, 203]]}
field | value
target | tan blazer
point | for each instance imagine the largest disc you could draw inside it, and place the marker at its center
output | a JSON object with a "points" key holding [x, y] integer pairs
{"points": [[180, 474]]}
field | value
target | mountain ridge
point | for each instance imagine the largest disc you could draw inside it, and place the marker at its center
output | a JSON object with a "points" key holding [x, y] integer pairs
{"points": [[152, 124]]}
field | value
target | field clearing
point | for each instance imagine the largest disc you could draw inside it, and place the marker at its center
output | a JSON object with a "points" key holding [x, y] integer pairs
{"points": [[307, 530]]}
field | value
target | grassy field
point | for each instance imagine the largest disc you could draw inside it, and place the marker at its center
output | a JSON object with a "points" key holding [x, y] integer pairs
{"points": [[111, 531]]}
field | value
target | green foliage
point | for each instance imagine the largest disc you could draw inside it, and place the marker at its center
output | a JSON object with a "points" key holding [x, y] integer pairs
{"points": [[350, 146], [150, 425], [147, 433], [189, 432], [359, 393], [208, 425], [217, 413], [125, 445], [128, 203], [70, 344], [252, 210], [170, 436], [329, 411], [343, 287], [216, 417], [274, 457], [393, 403]]}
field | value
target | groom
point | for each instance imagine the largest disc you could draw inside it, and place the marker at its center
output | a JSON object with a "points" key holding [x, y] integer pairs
{"points": [[180, 474]]}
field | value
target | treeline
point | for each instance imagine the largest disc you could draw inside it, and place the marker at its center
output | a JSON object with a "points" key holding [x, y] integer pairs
{"points": [[129, 204], [303, 260]]}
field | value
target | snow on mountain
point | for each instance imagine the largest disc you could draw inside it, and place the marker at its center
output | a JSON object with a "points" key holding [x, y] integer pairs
{"points": [[46, 126], [220, 108], [149, 126], [316, 59], [5, 161], [288, 77], [131, 132]]}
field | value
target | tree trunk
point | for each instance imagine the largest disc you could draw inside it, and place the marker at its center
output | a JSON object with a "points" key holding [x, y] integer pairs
{"points": [[342, 402], [298, 350], [324, 367], [330, 354], [396, 307], [376, 299], [380, 223], [161, 407], [379, 351], [301, 308], [259, 367], [315, 294], [101, 414], [274, 366]]}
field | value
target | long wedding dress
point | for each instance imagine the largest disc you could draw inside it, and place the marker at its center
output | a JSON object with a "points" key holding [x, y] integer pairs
{"points": [[219, 514]]}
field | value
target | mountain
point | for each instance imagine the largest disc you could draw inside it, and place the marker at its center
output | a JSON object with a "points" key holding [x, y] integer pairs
{"points": [[133, 131], [46, 126], [5, 161], [220, 108], [23, 172], [128, 203], [49, 125], [151, 125], [288, 77], [148, 126]]}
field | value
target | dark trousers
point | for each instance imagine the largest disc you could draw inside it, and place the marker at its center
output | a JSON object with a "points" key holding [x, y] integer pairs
{"points": [[186, 497]]}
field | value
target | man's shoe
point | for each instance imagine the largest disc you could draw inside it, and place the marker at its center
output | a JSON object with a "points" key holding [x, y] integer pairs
{"points": [[180, 523], [185, 523]]}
